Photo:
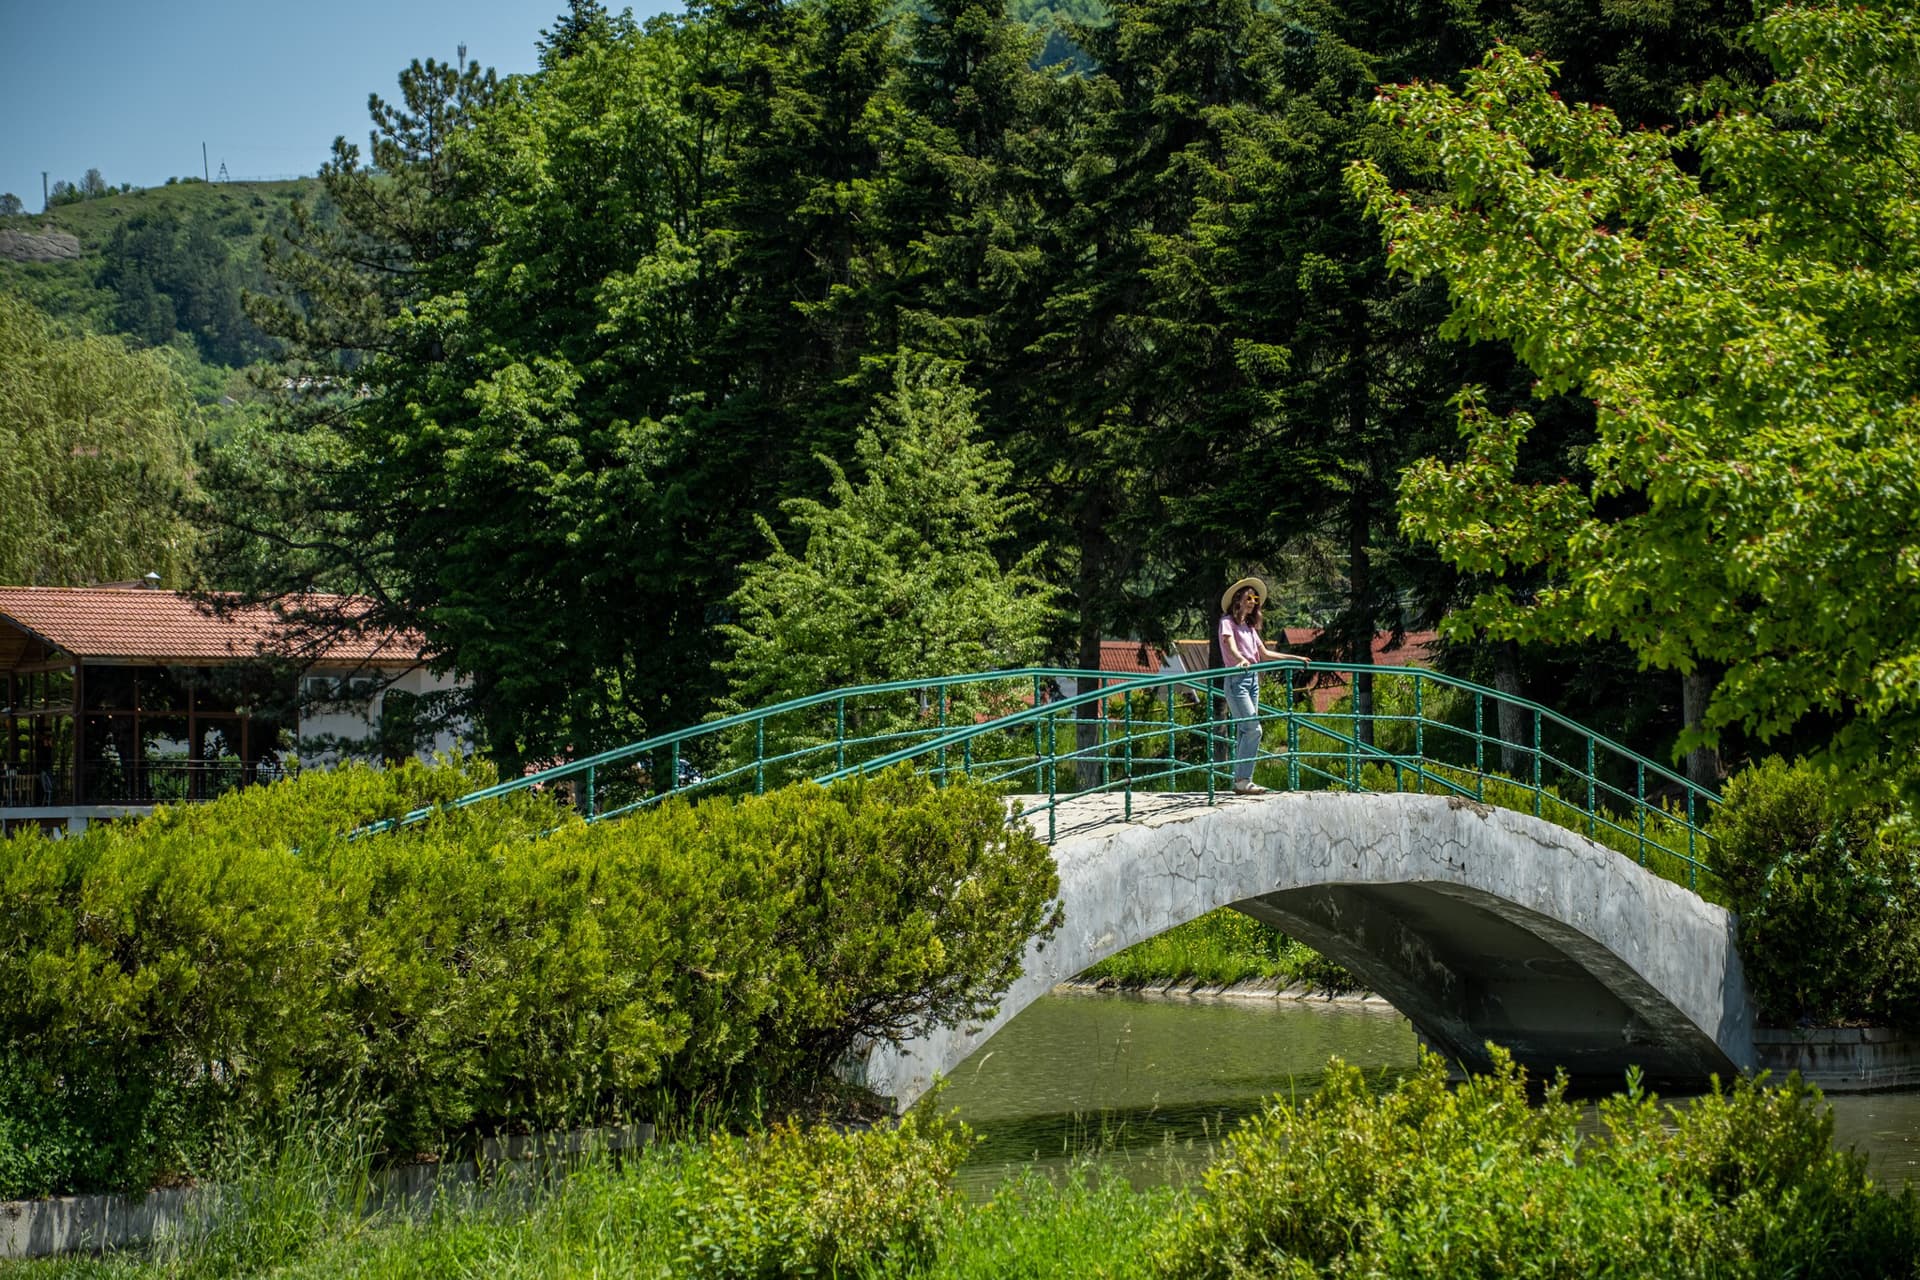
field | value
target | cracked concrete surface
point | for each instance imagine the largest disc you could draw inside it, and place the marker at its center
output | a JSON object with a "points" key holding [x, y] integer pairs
{"points": [[1477, 923]]}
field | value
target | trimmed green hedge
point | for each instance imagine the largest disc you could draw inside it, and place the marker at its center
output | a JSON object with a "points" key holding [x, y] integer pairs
{"points": [[1828, 895], [163, 979]]}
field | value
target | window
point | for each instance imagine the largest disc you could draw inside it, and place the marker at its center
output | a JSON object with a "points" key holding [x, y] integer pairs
{"points": [[339, 690]]}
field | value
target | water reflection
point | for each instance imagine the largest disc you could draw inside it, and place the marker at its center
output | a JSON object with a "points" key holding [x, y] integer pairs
{"points": [[1151, 1084]]}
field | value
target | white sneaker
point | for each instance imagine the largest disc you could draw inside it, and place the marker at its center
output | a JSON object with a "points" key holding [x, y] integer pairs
{"points": [[1249, 788]]}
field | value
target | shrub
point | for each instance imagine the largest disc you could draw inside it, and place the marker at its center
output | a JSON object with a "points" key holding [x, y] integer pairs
{"points": [[160, 981], [1428, 1180], [816, 1201], [1828, 895]]}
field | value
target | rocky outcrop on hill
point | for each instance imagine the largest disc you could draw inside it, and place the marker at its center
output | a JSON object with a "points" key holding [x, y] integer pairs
{"points": [[38, 246]]}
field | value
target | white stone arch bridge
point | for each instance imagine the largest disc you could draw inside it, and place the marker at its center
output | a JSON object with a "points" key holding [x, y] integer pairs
{"points": [[1478, 923]]}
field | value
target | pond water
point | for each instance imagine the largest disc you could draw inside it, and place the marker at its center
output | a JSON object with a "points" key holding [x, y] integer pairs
{"points": [[1150, 1083]]}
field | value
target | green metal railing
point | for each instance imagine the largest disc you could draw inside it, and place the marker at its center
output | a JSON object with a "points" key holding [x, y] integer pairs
{"points": [[1162, 733]]}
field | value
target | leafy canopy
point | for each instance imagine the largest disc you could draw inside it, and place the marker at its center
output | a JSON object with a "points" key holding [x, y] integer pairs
{"points": [[1747, 336], [94, 457]]}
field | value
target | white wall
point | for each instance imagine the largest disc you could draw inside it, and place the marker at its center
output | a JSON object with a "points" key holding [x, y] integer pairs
{"points": [[358, 720]]}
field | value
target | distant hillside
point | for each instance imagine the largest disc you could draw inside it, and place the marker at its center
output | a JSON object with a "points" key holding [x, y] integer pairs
{"points": [[156, 264]]}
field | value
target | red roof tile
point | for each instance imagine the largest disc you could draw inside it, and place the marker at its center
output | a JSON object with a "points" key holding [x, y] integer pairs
{"points": [[1129, 657], [166, 626]]}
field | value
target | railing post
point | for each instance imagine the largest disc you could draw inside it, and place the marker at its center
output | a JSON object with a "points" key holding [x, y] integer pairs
{"points": [[1128, 747], [1101, 741], [586, 802], [760, 756], [673, 777], [1479, 746], [1419, 726], [1053, 803], [1536, 762], [1293, 738], [1173, 752], [1212, 747], [840, 733], [940, 722], [1640, 807], [1693, 860], [1593, 797], [1039, 754], [1353, 744]]}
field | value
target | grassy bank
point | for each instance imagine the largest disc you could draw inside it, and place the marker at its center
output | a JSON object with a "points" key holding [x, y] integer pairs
{"points": [[1219, 948], [1421, 1179]]}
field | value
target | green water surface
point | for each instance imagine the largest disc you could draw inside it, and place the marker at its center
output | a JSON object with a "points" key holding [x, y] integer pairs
{"points": [[1150, 1083]]}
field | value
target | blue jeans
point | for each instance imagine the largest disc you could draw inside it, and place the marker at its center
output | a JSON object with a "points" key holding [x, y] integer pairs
{"points": [[1243, 703]]}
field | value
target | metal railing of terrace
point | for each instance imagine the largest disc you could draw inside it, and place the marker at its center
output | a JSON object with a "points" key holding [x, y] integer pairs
{"points": [[1427, 732]]}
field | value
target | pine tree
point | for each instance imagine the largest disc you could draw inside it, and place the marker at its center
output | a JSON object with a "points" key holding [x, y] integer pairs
{"points": [[898, 574]]}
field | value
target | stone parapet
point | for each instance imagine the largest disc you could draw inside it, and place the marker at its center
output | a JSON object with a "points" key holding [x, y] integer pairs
{"points": [[1842, 1059]]}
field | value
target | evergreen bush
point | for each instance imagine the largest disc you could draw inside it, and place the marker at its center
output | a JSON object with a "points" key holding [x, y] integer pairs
{"points": [[1828, 895], [502, 966]]}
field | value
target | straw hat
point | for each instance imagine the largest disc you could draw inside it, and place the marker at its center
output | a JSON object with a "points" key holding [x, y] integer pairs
{"points": [[1259, 591]]}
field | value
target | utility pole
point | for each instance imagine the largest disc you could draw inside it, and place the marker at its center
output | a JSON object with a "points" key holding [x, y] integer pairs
{"points": [[46, 201], [205, 176]]}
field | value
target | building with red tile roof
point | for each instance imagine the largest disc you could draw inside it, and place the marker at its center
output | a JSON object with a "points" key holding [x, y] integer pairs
{"points": [[114, 699], [138, 624]]}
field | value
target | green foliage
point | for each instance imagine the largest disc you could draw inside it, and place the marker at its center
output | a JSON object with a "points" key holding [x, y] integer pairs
{"points": [[1424, 1180], [94, 458], [1429, 1180], [1033, 1228], [897, 577], [204, 968], [1747, 334], [863, 910], [69, 1127], [1221, 947], [171, 276], [817, 1201], [1828, 895]]}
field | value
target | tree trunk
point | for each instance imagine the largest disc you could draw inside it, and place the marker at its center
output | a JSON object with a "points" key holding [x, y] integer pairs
{"points": [[1511, 717], [1360, 610], [1703, 763], [1360, 613], [1086, 727], [1090, 587]]}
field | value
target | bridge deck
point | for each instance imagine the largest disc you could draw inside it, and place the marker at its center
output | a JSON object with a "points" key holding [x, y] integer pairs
{"points": [[1100, 813]]}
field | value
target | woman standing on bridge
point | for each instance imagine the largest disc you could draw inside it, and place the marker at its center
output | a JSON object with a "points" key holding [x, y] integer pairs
{"points": [[1237, 643]]}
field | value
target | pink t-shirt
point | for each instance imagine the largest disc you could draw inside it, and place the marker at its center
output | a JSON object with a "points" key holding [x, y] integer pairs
{"points": [[1237, 641]]}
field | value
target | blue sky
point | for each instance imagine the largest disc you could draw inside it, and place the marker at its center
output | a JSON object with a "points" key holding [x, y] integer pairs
{"points": [[133, 87]]}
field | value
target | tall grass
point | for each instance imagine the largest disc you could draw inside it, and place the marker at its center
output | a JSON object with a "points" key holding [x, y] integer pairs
{"points": [[1419, 1178]]}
